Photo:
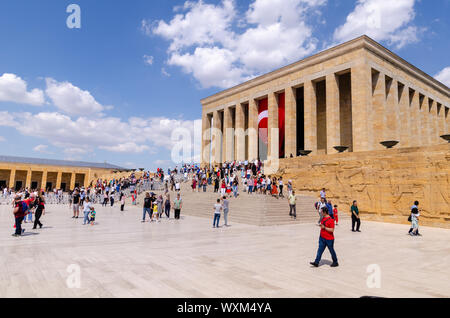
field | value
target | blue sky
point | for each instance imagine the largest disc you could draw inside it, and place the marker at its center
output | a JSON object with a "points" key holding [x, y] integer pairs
{"points": [[90, 93]]}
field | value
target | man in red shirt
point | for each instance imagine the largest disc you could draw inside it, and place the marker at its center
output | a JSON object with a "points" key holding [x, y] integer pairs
{"points": [[19, 214], [326, 239]]}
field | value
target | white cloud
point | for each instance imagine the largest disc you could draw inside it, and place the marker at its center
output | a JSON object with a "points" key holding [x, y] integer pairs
{"points": [[444, 76], [71, 99], [160, 163], [148, 60], [83, 135], [14, 89], [2, 139], [382, 20], [128, 147], [7, 120], [204, 43], [165, 73], [41, 149]]}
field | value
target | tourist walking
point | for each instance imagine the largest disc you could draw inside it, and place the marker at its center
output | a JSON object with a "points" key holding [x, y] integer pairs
{"points": [[289, 186], [147, 207], [292, 205], [122, 201], [167, 205], [326, 239], [280, 183], [87, 208], [177, 206], [105, 199], [414, 219], [217, 209], [330, 208], [30, 202], [40, 210], [323, 194], [160, 202], [355, 217], [319, 206], [336, 214], [155, 214], [226, 209], [19, 212]]}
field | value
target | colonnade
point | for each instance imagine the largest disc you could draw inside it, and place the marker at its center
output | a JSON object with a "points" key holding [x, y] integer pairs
{"points": [[357, 108]]}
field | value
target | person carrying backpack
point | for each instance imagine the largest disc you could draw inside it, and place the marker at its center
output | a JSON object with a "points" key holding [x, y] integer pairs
{"points": [[19, 211]]}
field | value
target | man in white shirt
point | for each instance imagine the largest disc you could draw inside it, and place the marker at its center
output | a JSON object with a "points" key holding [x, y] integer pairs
{"points": [[320, 205], [217, 209]]}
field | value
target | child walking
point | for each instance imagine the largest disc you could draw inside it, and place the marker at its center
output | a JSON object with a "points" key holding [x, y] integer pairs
{"points": [[92, 215], [335, 214]]}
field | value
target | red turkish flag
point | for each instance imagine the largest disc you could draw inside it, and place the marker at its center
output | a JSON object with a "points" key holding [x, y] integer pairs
{"points": [[263, 120]]}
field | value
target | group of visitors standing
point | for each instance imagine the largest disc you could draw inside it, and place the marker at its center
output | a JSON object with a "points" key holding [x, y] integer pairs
{"points": [[221, 206], [156, 207]]}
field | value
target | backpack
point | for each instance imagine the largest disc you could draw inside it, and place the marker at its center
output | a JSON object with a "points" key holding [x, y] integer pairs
{"points": [[24, 207], [316, 205]]}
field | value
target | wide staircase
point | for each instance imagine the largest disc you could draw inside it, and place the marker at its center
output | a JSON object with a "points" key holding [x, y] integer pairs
{"points": [[254, 209]]}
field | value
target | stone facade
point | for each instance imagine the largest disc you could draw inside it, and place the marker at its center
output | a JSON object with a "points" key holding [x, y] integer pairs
{"points": [[384, 182], [357, 95], [35, 176]]}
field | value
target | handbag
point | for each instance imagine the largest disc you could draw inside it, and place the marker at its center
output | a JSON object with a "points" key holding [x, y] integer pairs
{"points": [[410, 219]]}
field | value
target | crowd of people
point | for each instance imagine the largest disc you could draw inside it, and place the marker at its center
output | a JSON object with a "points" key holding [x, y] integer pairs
{"points": [[227, 180]]}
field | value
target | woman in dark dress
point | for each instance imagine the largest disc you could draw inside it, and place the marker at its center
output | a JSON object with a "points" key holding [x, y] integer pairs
{"points": [[40, 210]]}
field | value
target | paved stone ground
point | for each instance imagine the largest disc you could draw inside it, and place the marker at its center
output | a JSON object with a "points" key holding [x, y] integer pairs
{"points": [[121, 257]]}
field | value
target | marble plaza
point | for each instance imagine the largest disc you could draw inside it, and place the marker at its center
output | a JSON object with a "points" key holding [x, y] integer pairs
{"points": [[121, 257]]}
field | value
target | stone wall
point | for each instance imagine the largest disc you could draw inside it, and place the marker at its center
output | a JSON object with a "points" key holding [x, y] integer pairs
{"points": [[385, 182]]}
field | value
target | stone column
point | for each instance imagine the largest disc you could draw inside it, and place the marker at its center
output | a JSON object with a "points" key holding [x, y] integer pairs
{"points": [[404, 122], [392, 111], [44, 180], [290, 129], [333, 114], [72, 181], [58, 180], [87, 178], [379, 110], [217, 138], [310, 116], [425, 127], [240, 132], [28, 179], [441, 123], [434, 125], [273, 150], [12, 179], [446, 120], [252, 130], [227, 136], [416, 131], [206, 140], [361, 85]]}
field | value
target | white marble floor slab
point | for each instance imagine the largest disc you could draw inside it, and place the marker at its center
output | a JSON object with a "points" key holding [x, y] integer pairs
{"points": [[121, 257]]}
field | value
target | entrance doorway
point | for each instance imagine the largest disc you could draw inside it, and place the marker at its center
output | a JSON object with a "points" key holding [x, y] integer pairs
{"points": [[19, 185]]}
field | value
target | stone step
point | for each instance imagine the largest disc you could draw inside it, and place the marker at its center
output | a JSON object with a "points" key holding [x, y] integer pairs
{"points": [[254, 209]]}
